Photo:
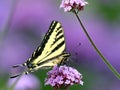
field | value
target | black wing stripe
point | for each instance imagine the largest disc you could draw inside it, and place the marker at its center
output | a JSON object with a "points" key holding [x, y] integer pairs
{"points": [[47, 60], [58, 46], [59, 28], [44, 41], [58, 39], [59, 32]]}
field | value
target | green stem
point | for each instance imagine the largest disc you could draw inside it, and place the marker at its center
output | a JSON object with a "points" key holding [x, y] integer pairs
{"points": [[97, 50], [61, 88]]}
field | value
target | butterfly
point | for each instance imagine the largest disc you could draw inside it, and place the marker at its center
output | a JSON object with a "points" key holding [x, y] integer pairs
{"points": [[51, 52]]}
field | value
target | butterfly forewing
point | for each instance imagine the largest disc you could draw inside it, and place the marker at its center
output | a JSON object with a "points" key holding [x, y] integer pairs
{"points": [[52, 45]]}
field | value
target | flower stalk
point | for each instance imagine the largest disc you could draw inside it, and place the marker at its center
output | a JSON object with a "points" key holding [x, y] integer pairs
{"points": [[96, 49], [61, 88]]}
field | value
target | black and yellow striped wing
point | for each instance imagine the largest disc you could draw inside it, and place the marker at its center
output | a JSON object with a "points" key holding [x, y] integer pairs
{"points": [[51, 51]]}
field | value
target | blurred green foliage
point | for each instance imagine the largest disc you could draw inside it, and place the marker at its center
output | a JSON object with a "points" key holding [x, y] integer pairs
{"points": [[108, 9], [111, 11], [3, 82]]}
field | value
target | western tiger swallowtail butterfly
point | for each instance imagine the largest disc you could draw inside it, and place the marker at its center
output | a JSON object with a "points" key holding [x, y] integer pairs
{"points": [[50, 53]]}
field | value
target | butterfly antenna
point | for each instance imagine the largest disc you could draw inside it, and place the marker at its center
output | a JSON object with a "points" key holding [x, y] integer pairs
{"points": [[25, 72], [19, 65], [15, 76]]}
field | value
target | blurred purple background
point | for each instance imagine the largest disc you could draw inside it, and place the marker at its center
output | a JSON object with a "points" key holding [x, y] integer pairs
{"points": [[31, 20]]}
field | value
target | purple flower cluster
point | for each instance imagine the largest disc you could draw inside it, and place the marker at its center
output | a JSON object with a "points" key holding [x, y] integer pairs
{"points": [[63, 76], [69, 5]]}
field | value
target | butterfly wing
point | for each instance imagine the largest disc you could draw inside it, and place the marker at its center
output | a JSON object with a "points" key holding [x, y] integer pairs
{"points": [[50, 52], [52, 45]]}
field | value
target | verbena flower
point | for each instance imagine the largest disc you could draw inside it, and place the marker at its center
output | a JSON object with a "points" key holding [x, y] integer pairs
{"points": [[63, 77], [70, 5]]}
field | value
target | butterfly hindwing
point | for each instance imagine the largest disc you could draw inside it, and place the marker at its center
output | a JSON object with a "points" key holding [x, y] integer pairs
{"points": [[61, 59]]}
